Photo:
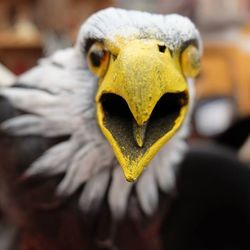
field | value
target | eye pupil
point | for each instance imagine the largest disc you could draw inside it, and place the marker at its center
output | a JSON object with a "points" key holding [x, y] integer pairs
{"points": [[96, 58]]}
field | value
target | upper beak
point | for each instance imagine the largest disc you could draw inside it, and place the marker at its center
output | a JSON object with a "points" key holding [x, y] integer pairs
{"points": [[141, 103]]}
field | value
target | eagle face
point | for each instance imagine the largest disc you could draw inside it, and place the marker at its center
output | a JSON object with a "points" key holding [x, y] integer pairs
{"points": [[142, 70], [124, 91]]}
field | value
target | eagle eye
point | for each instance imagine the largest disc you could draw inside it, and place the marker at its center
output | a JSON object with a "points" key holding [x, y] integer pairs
{"points": [[190, 61], [98, 59]]}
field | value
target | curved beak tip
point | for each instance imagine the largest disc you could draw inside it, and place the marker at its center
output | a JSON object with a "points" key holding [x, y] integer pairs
{"points": [[133, 171], [131, 177]]}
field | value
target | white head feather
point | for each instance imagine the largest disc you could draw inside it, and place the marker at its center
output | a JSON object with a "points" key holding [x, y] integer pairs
{"points": [[61, 102]]}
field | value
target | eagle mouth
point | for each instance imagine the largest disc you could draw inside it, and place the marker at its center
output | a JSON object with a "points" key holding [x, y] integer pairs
{"points": [[119, 120]]}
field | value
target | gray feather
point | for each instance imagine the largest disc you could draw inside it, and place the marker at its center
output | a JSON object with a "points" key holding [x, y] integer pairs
{"points": [[94, 191], [147, 192], [119, 193]]}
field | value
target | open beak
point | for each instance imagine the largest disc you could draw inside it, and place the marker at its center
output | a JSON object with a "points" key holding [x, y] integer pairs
{"points": [[141, 103]]}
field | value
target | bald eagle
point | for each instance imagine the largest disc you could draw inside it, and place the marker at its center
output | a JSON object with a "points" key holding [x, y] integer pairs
{"points": [[98, 127]]}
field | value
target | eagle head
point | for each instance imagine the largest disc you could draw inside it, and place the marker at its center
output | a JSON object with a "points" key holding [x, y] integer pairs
{"points": [[124, 91], [142, 63]]}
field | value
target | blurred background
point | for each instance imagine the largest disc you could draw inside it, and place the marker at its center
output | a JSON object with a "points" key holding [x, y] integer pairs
{"points": [[31, 29]]}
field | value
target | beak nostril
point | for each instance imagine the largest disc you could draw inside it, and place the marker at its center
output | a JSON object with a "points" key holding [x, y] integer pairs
{"points": [[162, 48], [114, 57]]}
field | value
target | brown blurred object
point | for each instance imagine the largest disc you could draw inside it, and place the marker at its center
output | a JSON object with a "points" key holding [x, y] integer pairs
{"points": [[219, 13], [225, 72], [183, 7], [21, 43], [216, 77], [21, 56], [65, 16]]}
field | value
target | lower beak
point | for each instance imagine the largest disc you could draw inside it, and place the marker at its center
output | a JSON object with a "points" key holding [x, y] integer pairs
{"points": [[141, 103]]}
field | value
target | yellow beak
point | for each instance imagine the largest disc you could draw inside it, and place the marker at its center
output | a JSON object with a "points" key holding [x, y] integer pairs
{"points": [[141, 103]]}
